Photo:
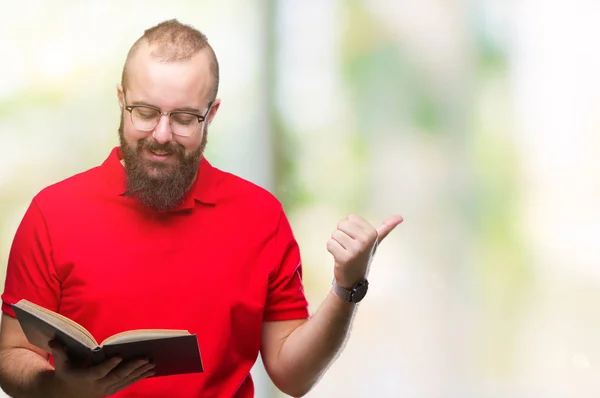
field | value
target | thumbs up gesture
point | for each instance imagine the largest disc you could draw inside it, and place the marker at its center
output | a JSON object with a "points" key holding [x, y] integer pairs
{"points": [[353, 246]]}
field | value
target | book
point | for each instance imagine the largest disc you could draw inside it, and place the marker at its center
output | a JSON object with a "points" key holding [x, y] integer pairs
{"points": [[172, 351]]}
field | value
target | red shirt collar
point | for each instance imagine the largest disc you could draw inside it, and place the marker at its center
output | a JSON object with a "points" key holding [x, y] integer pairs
{"points": [[203, 190]]}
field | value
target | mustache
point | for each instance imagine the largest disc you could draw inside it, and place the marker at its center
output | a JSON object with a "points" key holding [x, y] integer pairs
{"points": [[169, 148]]}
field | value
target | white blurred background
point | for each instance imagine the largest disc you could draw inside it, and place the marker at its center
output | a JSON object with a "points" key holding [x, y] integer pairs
{"points": [[477, 120]]}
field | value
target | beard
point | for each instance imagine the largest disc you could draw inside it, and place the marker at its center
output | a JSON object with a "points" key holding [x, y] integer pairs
{"points": [[158, 185]]}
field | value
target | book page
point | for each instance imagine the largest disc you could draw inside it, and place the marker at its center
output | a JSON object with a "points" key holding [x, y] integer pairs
{"points": [[143, 334], [59, 322]]}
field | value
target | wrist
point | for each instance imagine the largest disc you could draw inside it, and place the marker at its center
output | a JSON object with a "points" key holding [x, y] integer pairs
{"points": [[354, 294], [51, 386], [340, 300], [46, 384]]}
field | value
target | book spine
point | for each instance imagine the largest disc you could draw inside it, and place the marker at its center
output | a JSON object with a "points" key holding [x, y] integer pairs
{"points": [[98, 355]]}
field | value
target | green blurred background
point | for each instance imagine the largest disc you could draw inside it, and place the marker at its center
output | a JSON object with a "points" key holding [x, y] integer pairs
{"points": [[476, 120]]}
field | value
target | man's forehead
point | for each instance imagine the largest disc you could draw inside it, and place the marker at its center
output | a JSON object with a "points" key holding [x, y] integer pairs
{"points": [[151, 77], [146, 54]]}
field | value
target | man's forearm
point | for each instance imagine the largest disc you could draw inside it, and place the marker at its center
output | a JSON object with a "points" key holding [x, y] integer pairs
{"points": [[25, 374], [310, 349]]}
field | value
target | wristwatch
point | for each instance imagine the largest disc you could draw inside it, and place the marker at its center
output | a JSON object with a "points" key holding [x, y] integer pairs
{"points": [[354, 295]]}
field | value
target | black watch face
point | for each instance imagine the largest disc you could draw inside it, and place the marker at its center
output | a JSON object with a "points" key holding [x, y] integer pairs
{"points": [[359, 291]]}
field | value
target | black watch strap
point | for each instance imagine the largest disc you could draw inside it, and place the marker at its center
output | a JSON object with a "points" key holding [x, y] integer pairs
{"points": [[356, 294]]}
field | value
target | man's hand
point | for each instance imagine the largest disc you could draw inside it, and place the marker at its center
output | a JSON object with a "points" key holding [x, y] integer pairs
{"points": [[296, 353], [98, 381], [353, 246]]}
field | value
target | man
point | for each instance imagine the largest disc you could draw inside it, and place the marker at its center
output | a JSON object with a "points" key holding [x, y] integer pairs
{"points": [[156, 237]]}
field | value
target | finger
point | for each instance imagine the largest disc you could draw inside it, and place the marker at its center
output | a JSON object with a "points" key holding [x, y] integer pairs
{"points": [[360, 222], [123, 371], [388, 226], [337, 251], [141, 370], [129, 382], [58, 353], [365, 235], [343, 239], [350, 228], [133, 377], [101, 370]]}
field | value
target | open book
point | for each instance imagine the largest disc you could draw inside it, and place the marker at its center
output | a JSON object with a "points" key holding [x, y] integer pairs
{"points": [[172, 351]]}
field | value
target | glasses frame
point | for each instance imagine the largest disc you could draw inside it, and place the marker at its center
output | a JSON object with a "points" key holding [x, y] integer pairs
{"points": [[201, 118]]}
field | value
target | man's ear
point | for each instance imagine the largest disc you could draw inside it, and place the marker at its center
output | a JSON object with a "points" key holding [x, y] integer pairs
{"points": [[120, 95], [213, 109]]}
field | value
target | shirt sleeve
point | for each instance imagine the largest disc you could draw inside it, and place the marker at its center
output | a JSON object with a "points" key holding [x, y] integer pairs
{"points": [[30, 272], [286, 299]]}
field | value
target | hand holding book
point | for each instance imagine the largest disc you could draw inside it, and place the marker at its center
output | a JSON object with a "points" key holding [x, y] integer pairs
{"points": [[96, 381], [171, 351]]}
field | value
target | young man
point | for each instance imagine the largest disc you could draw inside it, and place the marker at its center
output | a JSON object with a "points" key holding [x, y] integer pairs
{"points": [[156, 237]]}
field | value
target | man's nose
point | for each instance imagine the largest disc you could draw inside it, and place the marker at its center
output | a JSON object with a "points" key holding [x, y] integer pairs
{"points": [[162, 133]]}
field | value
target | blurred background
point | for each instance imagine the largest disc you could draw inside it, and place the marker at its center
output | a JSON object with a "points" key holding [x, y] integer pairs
{"points": [[477, 120]]}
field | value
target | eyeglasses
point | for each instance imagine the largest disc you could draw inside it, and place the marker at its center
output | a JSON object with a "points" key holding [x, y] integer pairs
{"points": [[147, 117]]}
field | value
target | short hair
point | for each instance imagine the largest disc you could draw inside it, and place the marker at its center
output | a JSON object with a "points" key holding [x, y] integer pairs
{"points": [[174, 41]]}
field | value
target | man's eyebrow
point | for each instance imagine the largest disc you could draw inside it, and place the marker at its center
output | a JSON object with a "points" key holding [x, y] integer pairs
{"points": [[184, 109]]}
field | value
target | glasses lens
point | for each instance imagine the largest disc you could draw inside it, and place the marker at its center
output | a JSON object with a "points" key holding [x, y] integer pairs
{"points": [[183, 123], [144, 118]]}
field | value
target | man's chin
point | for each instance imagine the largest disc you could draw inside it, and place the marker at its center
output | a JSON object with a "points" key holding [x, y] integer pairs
{"points": [[158, 170]]}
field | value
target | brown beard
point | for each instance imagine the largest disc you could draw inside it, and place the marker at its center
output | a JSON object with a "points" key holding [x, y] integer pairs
{"points": [[167, 189]]}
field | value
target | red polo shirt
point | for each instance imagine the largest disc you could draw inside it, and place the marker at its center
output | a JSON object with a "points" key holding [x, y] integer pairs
{"points": [[218, 266]]}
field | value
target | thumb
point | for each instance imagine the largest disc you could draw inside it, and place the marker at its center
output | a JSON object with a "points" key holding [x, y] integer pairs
{"points": [[387, 226], [58, 353]]}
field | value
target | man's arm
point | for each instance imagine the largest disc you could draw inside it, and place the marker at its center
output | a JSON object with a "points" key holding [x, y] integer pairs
{"points": [[24, 369], [297, 353]]}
